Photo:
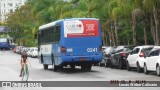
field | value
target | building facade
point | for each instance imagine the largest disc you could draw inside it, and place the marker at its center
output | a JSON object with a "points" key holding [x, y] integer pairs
{"points": [[8, 6]]}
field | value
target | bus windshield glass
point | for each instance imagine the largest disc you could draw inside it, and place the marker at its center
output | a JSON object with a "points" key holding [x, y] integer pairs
{"points": [[3, 40], [80, 28]]}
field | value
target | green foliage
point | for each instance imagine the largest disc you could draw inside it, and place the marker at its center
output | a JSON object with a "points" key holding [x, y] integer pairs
{"points": [[26, 20]]}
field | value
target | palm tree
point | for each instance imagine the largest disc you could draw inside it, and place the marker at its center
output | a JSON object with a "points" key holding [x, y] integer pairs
{"points": [[153, 6]]}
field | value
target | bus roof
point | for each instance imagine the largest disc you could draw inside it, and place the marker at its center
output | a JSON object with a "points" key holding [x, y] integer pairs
{"points": [[55, 22]]}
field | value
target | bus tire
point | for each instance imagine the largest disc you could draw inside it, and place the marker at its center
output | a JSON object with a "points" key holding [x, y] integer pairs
{"points": [[83, 67], [55, 68], [45, 66], [89, 66], [73, 66], [41, 58]]}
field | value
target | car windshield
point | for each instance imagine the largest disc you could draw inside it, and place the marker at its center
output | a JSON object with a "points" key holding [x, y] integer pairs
{"points": [[119, 48], [109, 50], [128, 49], [103, 48]]}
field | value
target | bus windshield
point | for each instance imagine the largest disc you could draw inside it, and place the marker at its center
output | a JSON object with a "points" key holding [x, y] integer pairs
{"points": [[3, 40], [80, 28]]}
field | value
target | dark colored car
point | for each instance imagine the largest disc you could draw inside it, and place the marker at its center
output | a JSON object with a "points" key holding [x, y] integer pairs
{"points": [[106, 56], [118, 58]]}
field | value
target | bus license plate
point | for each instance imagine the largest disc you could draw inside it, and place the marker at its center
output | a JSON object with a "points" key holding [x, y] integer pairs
{"points": [[82, 59]]}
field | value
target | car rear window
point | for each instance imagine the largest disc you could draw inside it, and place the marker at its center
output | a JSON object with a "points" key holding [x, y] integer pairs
{"points": [[135, 51], [146, 50]]}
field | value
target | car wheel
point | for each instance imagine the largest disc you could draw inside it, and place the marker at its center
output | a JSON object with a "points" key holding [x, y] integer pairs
{"points": [[100, 64], [111, 65], [106, 64], [128, 67], [120, 65], [139, 69], [158, 70], [145, 69]]}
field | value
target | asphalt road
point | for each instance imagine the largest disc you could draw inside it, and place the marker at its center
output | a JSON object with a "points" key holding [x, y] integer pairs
{"points": [[10, 69]]}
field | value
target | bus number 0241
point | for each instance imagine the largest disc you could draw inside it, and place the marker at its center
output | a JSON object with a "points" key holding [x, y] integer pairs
{"points": [[92, 49]]}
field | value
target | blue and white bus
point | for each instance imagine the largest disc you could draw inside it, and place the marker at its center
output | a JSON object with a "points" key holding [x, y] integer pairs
{"points": [[6, 43], [74, 42]]}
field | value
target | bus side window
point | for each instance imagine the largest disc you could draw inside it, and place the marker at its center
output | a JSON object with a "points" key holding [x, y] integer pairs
{"points": [[7, 40], [39, 37], [57, 33]]}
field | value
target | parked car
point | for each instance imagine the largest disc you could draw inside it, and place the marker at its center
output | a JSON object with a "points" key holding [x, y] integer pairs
{"points": [[137, 57], [34, 52], [29, 51], [118, 58], [106, 56], [18, 49], [103, 48], [14, 49], [22, 50], [152, 62]]}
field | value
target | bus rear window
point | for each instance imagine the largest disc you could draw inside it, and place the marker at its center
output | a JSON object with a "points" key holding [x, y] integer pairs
{"points": [[3, 40], [83, 28]]}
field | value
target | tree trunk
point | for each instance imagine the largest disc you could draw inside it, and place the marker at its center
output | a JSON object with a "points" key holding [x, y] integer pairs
{"points": [[113, 39], [133, 29], [156, 24], [128, 39], [110, 38], [145, 34], [152, 29], [116, 32], [105, 35], [103, 38]]}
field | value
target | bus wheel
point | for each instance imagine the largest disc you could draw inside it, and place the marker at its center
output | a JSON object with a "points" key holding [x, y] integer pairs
{"points": [[83, 67], [45, 67], [41, 59], [89, 66], [55, 68], [72, 66]]}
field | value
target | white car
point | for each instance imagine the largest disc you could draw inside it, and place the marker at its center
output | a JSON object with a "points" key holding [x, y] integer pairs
{"points": [[34, 52], [30, 50], [137, 57], [103, 48], [152, 62]]}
